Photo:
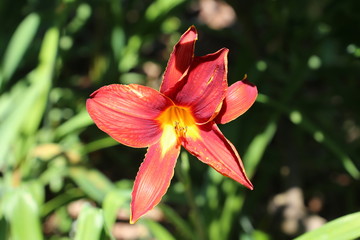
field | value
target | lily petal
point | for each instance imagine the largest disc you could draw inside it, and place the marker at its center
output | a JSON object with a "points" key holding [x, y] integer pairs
{"points": [[239, 98], [153, 179], [128, 112], [180, 59], [204, 88], [215, 150]]}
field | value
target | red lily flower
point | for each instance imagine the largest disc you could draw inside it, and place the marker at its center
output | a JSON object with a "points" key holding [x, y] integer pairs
{"points": [[194, 96]]}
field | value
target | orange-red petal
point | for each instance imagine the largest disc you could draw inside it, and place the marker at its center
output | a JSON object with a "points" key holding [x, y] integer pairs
{"points": [[128, 112], [180, 59], [239, 98], [204, 87], [215, 150], [153, 179]]}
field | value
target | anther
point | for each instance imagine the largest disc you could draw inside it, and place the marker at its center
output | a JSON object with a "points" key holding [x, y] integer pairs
{"points": [[180, 130]]}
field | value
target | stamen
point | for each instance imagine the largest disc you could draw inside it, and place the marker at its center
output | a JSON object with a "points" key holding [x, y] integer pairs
{"points": [[180, 130]]}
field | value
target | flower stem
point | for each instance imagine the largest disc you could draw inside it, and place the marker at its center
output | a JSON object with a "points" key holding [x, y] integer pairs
{"points": [[182, 173]]}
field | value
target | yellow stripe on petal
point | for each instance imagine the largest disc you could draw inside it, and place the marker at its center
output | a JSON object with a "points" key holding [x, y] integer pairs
{"points": [[168, 139]]}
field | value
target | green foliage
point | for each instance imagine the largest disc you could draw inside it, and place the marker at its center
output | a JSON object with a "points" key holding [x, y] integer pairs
{"points": [[346, 227], [18, 45], [21, 211], [302, 132], [112, 202], [92, 182], [89, 224]]}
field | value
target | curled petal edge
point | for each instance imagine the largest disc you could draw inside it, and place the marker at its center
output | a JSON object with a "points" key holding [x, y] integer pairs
{"points": [[239, 98]]}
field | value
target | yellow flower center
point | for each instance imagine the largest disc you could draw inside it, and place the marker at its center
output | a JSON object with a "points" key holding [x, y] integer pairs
{"points": [[177, 123]]}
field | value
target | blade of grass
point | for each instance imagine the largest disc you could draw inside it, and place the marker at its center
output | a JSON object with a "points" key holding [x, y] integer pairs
{"points": [[160, 8], [182, 173], [343, 228], [21, 211], [181, 226], [41, 79], [111, 204], [4, 226], [92, 182], [118, 41], [11, 98], [89, 224], [257, 147], [19, 43], [320, 136], [79, 121], [60, 200], [11, 125], [100, 144], [233, 204], [221, 227], [31, 104], [130, 55], [158, 231]]}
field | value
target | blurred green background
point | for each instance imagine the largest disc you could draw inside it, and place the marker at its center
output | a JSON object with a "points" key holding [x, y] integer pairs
{"points": [[62, 178]]}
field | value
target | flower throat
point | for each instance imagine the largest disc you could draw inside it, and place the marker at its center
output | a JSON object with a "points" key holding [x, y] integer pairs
{"points": [[177, 124]]}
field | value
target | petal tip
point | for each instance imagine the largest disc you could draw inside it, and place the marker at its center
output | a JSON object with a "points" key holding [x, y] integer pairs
{"points": [[246, 182], [132, 220], [193, 29], [250, 186], [135, 215], [247, 82], [191, 35], [93, 94]]}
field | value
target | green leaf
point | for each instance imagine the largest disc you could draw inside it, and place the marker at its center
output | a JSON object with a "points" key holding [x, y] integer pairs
{"points": [[79, 121], [22, 212], [232, 205], [258, 146], [300, 119], [89, 224], [83, 13], [36, 189], [11, 125], [343, 228], [111, 204], [180, 224], [4, 225], [41, 80], [18, 45], [157, 230], [30, 105], [100, 144], [118, 41], [160, 8], [11, 98], [92, 182], [130, 56], [60, 200]]}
